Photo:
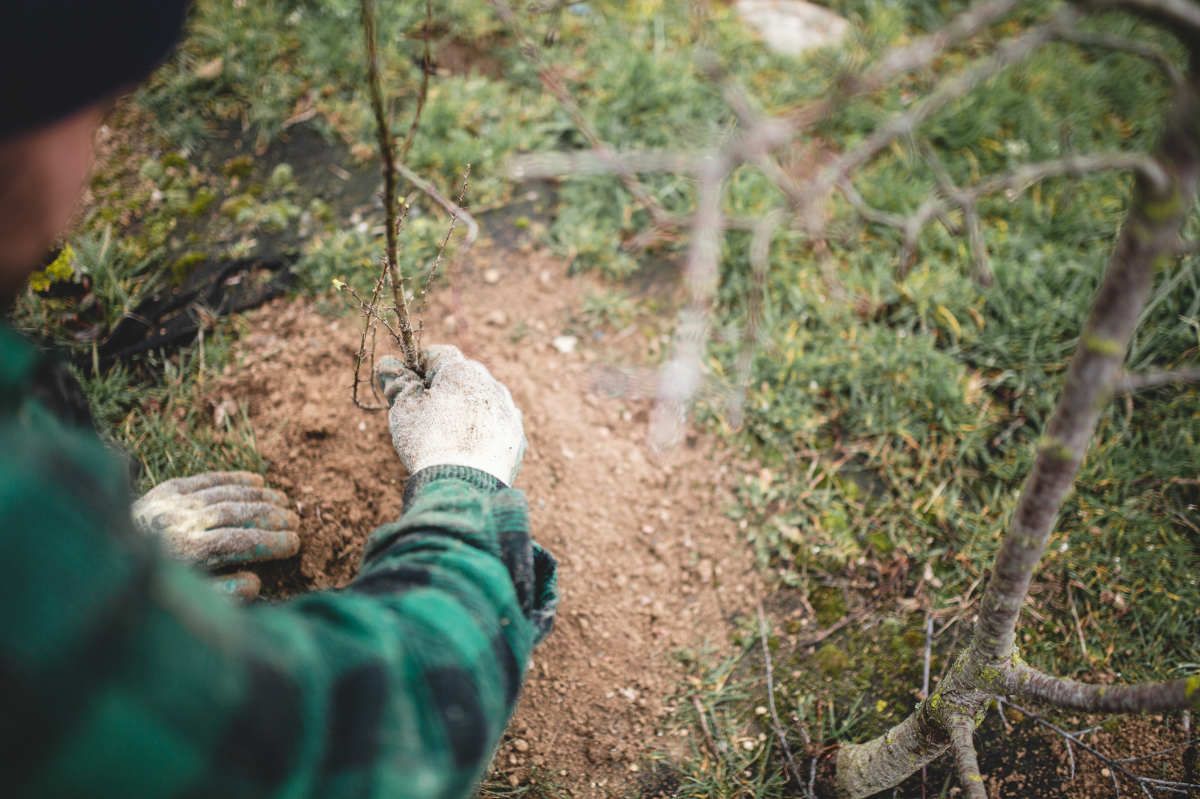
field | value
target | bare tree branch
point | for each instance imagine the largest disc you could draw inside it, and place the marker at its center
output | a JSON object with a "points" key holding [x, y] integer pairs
{"points": [[970, 212], [760, 255], [554, 83], [867, 211], [1108, 41], [1159, 697], [604, 162], [917, 55], [1150, 233], [1008, 53], [682, 375], [1024, 176], [455, 210], [1011, 183], [963, 745], [1133, 381], [1178, 14]]}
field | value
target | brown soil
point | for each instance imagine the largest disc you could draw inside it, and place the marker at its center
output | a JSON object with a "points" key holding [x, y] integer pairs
{"points": [[649, 564]]}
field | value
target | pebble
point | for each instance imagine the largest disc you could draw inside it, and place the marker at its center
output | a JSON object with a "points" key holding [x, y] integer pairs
{"points": [[565, 344], [520, 744], [491, 276], [496, 318], [791, 27]]}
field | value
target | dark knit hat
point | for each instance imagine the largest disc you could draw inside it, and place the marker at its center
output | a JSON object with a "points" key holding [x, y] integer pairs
{"points": [[58, 56]]}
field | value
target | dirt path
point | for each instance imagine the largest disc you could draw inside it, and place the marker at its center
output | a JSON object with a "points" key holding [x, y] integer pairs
{"points": [[649, 563]]}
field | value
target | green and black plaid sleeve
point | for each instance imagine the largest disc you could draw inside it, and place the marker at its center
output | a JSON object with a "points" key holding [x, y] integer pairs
{"points": [[125, 674]]}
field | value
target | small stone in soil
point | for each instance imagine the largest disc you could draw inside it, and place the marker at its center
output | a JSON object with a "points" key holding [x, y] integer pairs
{"points": [[491, 276], [496, 318]]}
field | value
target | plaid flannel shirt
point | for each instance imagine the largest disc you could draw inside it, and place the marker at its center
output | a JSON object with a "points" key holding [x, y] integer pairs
{"points": [[123, 673]]}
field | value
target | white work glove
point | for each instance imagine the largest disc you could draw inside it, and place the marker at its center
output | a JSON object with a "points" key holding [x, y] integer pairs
{"points": [[220, 519], [463, 417]]}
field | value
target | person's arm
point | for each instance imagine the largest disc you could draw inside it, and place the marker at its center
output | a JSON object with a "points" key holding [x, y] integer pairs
{"points": [[124, 674]]}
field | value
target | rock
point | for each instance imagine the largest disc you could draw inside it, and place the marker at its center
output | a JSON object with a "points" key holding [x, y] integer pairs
{"points": [[210, 70], [520, 744], [792, 27], [565, 344], [491, 276], [224, 410], [496, 318]]}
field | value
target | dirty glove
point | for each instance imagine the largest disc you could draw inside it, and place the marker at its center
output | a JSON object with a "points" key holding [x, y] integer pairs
{"points": [[463, 417], [220, 519]]}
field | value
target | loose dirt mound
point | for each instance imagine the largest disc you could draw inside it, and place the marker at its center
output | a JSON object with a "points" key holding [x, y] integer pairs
{"points": [[649, 563]]}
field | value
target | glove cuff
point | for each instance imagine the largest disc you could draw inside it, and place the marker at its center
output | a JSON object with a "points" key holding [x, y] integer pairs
{"points": [[475, 477]]}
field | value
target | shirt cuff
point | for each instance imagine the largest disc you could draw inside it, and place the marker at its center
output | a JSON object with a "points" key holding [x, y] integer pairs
{"points": [[474, 477]]}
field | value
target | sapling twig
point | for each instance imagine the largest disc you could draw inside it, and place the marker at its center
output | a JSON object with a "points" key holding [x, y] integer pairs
{"points": [[423, 91]]}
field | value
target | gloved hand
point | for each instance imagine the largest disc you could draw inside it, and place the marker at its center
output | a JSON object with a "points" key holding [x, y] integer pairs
{"points": [[220, 519], [463, 417]]}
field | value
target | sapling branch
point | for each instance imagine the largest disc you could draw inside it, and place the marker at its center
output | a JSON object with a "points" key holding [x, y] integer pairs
{"points": [[383, 130], [1150, 233], [423, 89], [364, 354], [1157, 697], [456, 210], [1139, 381], [962, 743]]}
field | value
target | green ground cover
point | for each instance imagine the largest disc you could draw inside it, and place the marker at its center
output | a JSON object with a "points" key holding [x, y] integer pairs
{"points": [[894, 418]]}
